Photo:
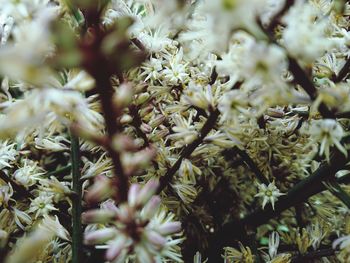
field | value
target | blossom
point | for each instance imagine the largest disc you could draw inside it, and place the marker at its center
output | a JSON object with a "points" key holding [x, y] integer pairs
{"points": [[42, 205], [7, 154], [269, 193], [303, 30], [327, 132], [137, 227]]}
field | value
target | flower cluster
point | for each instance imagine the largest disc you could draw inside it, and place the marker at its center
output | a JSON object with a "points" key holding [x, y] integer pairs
{"points": [[165, 131]]}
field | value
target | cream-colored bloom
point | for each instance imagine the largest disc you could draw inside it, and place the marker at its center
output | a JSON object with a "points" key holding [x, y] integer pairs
{"points": [[269, 193], [327, 133]]}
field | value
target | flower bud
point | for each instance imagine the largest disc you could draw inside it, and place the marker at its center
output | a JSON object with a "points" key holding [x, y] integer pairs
{"points": [[142, 98], [100, 236], [156, 239], [132, 195], [115, 248], [146, 110], [125, 119], [159, 135], [157, 121], [123, 96], [98, 216], [276, 113], [122, 142], [147, 191], [146, 128], [100, 190], [169, 228], [151, 207]]}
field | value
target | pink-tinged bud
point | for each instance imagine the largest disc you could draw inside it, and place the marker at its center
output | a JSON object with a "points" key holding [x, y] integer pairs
{"points": [[123, 95], [146, 128], [100, 236], [132, 195], [143, 158], [146, 110], [122, 142], [169, 228], [151, 207], [147, 191], [275, 113], [156, 239], [125, 214], [98, 216], [100, 190], [109, 205], [115, 248]]}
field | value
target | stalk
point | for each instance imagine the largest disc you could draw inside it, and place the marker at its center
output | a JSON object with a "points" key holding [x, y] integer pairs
{"points": [[77, 236]]}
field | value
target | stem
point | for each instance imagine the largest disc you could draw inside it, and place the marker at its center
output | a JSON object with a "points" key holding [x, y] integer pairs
{"points": [[343, 72], [276, 19], [339, 192], [77, 236], [209, 124], [314, 255], [299, 193], [249, 162], [301, 78], [98, 65], [137, 122]]}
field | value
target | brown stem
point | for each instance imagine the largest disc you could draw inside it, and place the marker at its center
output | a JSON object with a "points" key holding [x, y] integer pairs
{"points": [[97, 64]]}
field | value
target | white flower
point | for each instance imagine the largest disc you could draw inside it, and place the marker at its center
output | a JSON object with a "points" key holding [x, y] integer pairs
{"points": [[184, 131], [306, 27], [53, 225], [8, 154], [28, 174], [269, 194], [6, 192], [6, 24], [199, 96], [263, 64], [176, 72], [151, 69], [54, 144], [42, 205], [233, 102], [327, 132], [274, 241]]}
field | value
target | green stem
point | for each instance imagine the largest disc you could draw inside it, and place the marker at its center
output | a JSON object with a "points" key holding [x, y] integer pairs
{"points": [[77, 236]]}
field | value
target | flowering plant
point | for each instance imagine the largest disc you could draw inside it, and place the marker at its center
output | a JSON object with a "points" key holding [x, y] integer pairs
{"points": [[174, 131]]}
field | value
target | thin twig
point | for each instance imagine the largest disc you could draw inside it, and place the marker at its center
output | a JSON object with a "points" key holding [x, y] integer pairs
{"points": [[301, 78], [344, 71], [248, 161], [314, 255], [334, 187], [136, 123]]}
